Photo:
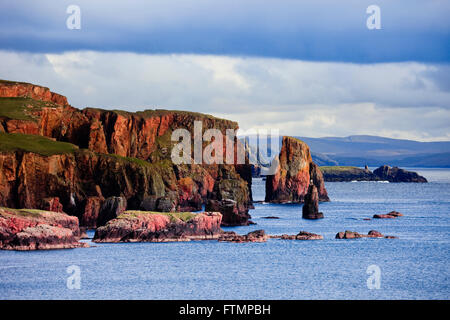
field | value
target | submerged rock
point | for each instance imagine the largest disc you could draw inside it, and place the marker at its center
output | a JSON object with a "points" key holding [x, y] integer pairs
{"points": [[302, 235], [254, 236], [355, 235], [390, 215], [26, 229]]}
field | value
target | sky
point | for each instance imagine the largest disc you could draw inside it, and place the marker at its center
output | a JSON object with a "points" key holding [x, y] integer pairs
{"points": [[307, 68]]}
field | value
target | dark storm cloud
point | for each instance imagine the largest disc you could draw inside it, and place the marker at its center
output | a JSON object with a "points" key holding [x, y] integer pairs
{"points": [[309, 30]]}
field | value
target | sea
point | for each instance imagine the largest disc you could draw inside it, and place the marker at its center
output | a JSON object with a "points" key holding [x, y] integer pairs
{"points": [[413, 266]]}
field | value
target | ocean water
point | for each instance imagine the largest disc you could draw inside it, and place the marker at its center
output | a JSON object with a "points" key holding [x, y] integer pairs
{"points": [[414, 266]]}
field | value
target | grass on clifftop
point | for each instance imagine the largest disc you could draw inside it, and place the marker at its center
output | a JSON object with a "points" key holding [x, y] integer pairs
{"points": [[34, 213], [17, 108], [32, 143], [185, 216]]}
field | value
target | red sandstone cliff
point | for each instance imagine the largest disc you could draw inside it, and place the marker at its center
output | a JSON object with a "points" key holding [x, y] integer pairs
{"points": [[81, 181]]}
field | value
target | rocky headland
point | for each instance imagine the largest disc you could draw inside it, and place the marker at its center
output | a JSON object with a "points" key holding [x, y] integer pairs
{"points": [[383, 173], [57, 157]]}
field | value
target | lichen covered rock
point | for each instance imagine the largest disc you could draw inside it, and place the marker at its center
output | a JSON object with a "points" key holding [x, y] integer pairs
{"points": [[25, 229]]}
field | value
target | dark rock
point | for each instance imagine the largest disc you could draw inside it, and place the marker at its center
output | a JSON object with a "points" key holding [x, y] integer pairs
{"points": [[232, 214], [310, 208], [396, 174], [111, 208], [302, 235], [355, 235], [390, 215], [254, 236]]}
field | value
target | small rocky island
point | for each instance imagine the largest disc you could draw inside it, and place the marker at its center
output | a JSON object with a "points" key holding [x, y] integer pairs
{"points": [[383, 173], [28, 229]]}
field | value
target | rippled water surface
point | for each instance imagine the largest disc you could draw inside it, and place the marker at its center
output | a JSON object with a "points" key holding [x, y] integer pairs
{"points": [[415, 266]]}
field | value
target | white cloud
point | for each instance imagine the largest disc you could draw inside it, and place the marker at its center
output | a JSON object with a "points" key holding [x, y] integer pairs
{"points": [[401, 100]]}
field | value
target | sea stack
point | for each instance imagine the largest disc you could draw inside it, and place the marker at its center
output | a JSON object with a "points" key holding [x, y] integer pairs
{"points": [[311, 205], [293, 175]]}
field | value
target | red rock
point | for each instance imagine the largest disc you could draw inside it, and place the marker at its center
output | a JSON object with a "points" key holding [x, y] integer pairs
{"points": [[37, 230], [139, 226], [293, 175], [142, 135], [232, 214], [51, 204]]}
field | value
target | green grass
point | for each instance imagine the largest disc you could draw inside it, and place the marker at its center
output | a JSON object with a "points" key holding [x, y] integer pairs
{"points": [[24, 212], [31, 143], [19, 108], [185, 216], [158, 112], [128, 159], [339, 168]]}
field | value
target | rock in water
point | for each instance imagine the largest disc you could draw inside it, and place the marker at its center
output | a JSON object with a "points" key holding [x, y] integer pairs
{"points": [[293, 174], [27, 229], [355, 235], [396, 174], [254, 236], [144, 226], [311, 205]]}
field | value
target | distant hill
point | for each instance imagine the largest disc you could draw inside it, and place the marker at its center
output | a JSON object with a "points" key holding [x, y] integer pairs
{"points": [[360, 150], [376, 151]]}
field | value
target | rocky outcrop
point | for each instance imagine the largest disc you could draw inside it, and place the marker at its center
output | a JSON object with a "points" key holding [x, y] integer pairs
{"points": [[27, 229], [141, 226], [347, 174], [396, 174], [254, 236], [129, 156], [302, 235], [111, 209], [390, 215], [383, 173], [310, 208], [355, 235], [27, 90], [293, 175]]}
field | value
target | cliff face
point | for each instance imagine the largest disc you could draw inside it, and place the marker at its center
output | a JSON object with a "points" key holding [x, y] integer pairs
{"points": [[128, 155], [36, 230], [294, 173]]}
